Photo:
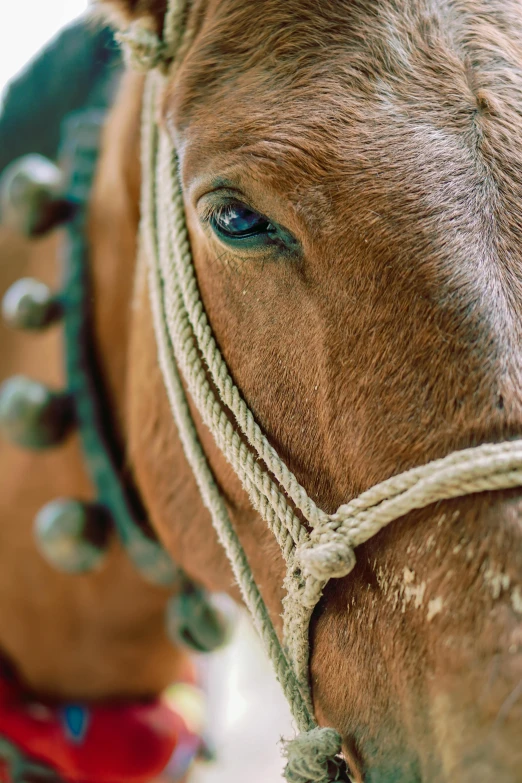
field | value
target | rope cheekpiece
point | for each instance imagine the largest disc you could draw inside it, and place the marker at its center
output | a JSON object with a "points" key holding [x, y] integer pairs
{"points": [[186, 347]]}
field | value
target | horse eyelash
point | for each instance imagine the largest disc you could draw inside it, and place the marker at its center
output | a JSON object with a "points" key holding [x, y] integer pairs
{"points": [[210, 211], [207, 214]]}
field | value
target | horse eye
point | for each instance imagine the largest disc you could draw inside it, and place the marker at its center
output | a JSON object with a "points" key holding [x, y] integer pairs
{"points": [[237, 221]]}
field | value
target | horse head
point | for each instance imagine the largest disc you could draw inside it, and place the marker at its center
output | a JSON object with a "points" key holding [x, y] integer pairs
{"points": [[352, 186]]}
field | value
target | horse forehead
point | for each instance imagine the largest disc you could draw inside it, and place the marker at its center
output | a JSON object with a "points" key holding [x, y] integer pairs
{"points": [[307, 80], [359, 101], [300, 44]]}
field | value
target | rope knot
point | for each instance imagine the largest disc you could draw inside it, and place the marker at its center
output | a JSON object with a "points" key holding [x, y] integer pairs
{"points": [[330, 559], [143, 50], [312, 757]]}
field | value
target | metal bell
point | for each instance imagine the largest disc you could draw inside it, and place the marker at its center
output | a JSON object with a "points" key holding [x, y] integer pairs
{"points": [[33, 416], [31, 195], [152, 561], [201, 621], [29, 304], [72, 536]]}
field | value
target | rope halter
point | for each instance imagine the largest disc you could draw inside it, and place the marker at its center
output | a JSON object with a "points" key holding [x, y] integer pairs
{"points": [[187, 349]]}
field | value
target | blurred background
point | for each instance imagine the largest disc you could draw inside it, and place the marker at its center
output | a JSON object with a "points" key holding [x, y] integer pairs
{"points": [[26, 26], [247, 713]]}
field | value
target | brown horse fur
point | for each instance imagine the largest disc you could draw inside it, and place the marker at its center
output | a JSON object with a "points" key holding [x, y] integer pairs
{"points": [[385, 137]]}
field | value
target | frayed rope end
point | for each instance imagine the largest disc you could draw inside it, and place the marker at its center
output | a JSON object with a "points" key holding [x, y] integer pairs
{"points": [[313, 757]]}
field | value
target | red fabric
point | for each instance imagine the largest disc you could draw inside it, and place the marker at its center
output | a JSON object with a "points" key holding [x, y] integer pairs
{"points": [[107, 744], [5, 775]]}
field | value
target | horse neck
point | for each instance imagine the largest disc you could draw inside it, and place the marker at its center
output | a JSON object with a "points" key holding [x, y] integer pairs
{"points": [[113, 229]]}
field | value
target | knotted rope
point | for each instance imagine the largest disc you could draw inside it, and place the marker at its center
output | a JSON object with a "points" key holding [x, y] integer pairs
{"points": [[186, 346]]}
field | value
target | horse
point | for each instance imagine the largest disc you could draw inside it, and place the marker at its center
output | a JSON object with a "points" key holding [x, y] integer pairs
{"points": [[352, 194]]}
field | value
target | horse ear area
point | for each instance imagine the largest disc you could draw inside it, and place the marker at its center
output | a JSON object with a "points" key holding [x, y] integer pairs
{"points": [[122, 12]]}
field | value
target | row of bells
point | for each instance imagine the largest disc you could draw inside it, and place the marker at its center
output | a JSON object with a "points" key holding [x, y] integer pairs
{"points": [[72, 535]]}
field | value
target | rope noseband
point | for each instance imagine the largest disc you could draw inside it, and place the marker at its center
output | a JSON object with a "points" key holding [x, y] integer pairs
{"points": [[187, 349]]}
